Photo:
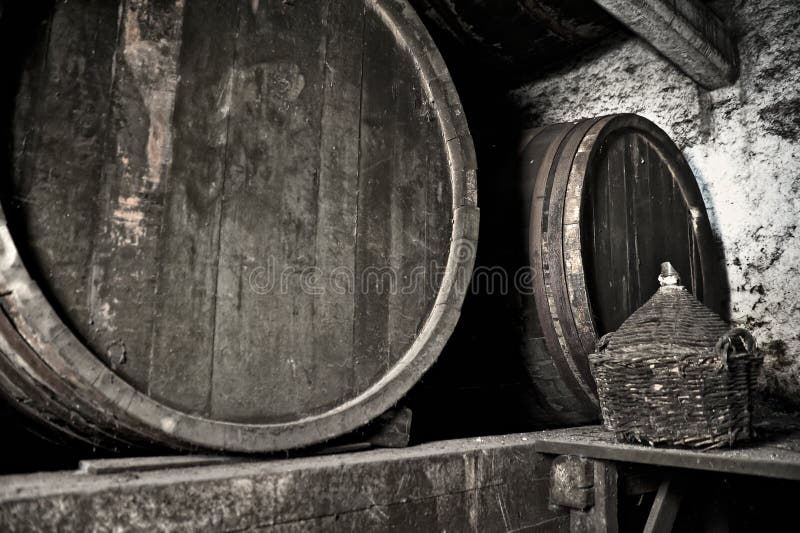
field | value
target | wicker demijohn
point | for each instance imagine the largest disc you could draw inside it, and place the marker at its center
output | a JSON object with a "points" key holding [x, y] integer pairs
{"points": [[673, 373]]}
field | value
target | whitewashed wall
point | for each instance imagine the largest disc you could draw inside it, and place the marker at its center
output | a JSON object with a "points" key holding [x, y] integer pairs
{"points": [[743, 143]]}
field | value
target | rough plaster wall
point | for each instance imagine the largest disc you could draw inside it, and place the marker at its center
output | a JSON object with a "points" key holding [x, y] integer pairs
{"points": [[743, 143]]}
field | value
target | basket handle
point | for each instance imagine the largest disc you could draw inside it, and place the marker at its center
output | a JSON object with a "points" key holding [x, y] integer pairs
{"points": [[737, 342]]}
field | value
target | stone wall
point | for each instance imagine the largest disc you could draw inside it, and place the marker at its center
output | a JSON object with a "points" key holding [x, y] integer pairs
{"points": [[743, 143]]}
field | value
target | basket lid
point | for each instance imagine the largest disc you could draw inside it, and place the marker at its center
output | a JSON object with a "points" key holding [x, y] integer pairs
{"points": [[672, 317]]}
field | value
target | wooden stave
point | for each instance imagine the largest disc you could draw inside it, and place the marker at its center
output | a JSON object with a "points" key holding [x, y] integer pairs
{"points": [[66, 366], [575, 301]]}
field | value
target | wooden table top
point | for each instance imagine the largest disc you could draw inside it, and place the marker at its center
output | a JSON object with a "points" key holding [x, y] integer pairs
{"points": [[775, 453]]}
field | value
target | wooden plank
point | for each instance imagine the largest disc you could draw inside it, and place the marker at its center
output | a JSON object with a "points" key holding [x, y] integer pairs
{"points": [[602, 517], [183, 332], [665, 508], [779, 457], [60, 128], [497, 484], [145, 464], [122, 280], [23, 84], [263, 347], [572, 482], [659, 194], [630, 146], [618, 287], [680, 234], [378, 162], [602, 300], [646, 247], [337, 205], [687, 32]]}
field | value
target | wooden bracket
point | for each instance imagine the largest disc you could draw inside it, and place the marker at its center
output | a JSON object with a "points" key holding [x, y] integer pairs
{"points": [[665, 508], [686, 32], [572, 482], [589, 488]]}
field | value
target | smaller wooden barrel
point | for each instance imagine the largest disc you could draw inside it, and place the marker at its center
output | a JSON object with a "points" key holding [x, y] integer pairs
{"points": [[608, 200], [234, 225]]}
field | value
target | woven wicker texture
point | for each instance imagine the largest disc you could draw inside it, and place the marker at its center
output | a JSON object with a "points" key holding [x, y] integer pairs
{"points": [[662, 381]]}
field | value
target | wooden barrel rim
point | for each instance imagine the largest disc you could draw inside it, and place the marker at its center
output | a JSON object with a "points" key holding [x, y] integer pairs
{"points": [[553, 245], [682, 175], [537, 234], [69, 365], [559, 277]]}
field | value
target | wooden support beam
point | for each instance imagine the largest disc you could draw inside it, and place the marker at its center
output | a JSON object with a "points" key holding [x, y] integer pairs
{"points": [[572, 482], [686, 32], [777, 456], [488, 484], [665, 508], [602, 517], [135, 465], [589, 489]]}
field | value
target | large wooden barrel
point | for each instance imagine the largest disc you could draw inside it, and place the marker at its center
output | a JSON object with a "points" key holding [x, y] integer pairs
{"points": [[242, 225], [606, 201]]}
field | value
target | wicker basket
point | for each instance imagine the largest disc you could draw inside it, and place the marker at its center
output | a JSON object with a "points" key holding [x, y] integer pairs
{"points": [[674, 375]]}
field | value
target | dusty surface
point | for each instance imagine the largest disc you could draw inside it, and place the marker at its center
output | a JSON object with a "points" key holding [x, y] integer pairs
{"points": [[488, 484], [743, 143]]}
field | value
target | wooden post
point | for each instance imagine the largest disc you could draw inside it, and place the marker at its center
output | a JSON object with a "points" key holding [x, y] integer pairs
{"points": [[665, 508], [685, 31], [590, 489]]}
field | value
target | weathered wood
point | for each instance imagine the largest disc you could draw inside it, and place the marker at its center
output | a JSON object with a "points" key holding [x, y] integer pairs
{"points": [[147, 464], [611, 199], [392, 429], [334, 314], [665, 508], [543, 149], [602, 517], [497, 484], [122, 269], [776, 456], [184, 312], [238, 174], [687, 32], [572, 482]]}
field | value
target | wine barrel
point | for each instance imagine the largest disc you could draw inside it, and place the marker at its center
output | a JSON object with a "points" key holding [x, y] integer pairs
{"points": [[245, 226], [607, 200]]}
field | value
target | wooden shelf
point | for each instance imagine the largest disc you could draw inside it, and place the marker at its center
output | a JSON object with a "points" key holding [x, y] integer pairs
{"points": [[485, 484], [775, 454]]}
